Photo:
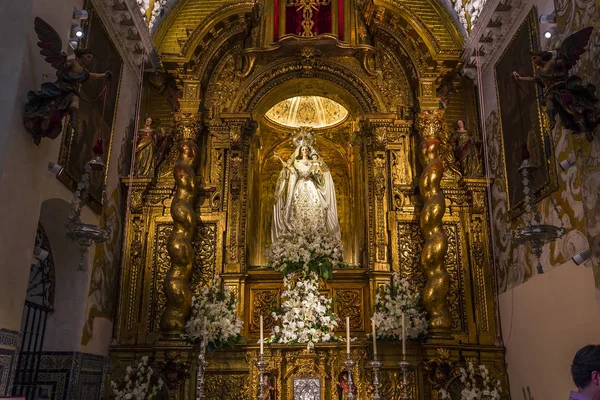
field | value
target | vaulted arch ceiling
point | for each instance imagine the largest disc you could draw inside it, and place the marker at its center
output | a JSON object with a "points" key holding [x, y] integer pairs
{"points": [[185, 21]]}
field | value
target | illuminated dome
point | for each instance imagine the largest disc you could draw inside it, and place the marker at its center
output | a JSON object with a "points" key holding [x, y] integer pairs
{"points": [[313, 111]]}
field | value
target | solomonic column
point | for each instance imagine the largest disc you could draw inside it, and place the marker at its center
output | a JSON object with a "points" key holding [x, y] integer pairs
{"points": [[177, 282], [429, 124]]}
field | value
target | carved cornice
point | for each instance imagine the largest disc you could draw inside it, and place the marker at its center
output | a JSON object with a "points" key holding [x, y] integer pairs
{"points": [[495, 26], [127, 30]]}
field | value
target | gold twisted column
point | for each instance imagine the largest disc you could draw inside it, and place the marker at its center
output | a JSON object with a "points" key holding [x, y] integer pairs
{"points": [[177, 282], [429, 124]]}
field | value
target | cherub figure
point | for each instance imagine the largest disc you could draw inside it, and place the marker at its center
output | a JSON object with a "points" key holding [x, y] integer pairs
{"points": [[564, 95], [45, 109]]}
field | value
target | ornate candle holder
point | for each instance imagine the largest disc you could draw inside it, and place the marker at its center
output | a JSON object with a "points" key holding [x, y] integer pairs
{"points": [[535, 234], [376, 365], [406, 368], [86, 235], [262, 367], [349, 364], [202, 364]]}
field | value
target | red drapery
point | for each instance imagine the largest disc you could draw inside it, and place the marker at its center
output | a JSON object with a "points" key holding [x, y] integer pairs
{"points": [[276, 21], [321, 19], [341, 19]]}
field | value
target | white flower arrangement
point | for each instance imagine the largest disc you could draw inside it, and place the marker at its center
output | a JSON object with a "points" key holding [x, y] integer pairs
{"points": [[391, 301], [306, 251], [306, 315], [139, 383], [476, 389], [218, 304]]}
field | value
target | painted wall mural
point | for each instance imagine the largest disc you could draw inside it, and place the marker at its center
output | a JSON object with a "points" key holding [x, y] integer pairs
{"points": [[104, 281]]}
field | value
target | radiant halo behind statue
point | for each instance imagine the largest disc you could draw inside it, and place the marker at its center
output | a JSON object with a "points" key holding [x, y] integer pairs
{"points": [[305, 193]]}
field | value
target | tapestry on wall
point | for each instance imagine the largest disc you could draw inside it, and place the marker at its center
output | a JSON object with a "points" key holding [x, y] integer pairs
{"points": [[76, 149], [521, 118]]}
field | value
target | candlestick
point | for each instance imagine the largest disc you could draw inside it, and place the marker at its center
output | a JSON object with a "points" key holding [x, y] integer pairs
{"points": [[374, 339], [406, 389], [261, 336], [376, 365], [262, 367], [403, 336], [349, 364], [348, 335]]}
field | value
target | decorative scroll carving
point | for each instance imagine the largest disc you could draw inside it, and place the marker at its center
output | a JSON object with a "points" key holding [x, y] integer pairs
{"points": [[225, 86], [348, 303], [204, 246], [221, 386], [235, 184], [174, 371], [391, 385], [380, 179], [439, 370], [478, 262], [136, 255], [216, 178], [264, 301], [400, 165], [394, 86]]}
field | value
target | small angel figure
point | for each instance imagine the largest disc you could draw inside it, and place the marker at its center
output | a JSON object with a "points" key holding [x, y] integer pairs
{"points": [[45, 109], [575, 104]]}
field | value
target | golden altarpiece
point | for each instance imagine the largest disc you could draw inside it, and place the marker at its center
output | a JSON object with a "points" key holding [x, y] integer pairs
{"points": [[403, 203]]}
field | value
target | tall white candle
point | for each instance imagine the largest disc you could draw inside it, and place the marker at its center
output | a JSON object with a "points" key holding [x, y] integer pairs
{"points": [[403, 336], [374, 338], [261, 335], [348, 335]]}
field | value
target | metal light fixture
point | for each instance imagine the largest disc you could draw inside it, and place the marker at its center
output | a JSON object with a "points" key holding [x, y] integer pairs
{"points": [[535, 234], [86, 234]]}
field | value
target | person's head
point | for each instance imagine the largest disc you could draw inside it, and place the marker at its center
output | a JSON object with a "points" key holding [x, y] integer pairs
{"points": [[84, 56], [149, 121], [304, 152], [461, 124], [585, 370], [541, 57], [314, 155]]}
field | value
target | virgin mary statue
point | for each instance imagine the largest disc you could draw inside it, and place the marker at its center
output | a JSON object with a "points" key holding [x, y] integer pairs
{"points": [[304, 196]]}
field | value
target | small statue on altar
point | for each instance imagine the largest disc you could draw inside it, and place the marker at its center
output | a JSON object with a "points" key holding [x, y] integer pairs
{"points": [[467, 151], [45, 109], [149, 149], [268, 390], [564, 94], [343, 386]]}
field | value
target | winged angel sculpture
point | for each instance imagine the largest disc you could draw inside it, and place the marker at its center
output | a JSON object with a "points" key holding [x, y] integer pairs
{"points": [[564, 94], [45, 109]]}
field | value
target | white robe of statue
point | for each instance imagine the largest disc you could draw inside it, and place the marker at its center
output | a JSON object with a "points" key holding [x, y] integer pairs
{"points": [[305, 197]]}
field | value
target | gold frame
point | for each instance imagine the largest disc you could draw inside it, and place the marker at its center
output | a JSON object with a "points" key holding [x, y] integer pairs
{"points": [[551, 183], [64, 154]]}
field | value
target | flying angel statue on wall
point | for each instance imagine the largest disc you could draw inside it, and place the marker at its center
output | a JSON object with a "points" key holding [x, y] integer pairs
{"points": [[564, 94], [45, 109]]}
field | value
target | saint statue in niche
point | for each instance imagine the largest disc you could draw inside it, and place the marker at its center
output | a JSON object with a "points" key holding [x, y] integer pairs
{"points": [[304, 195]]}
